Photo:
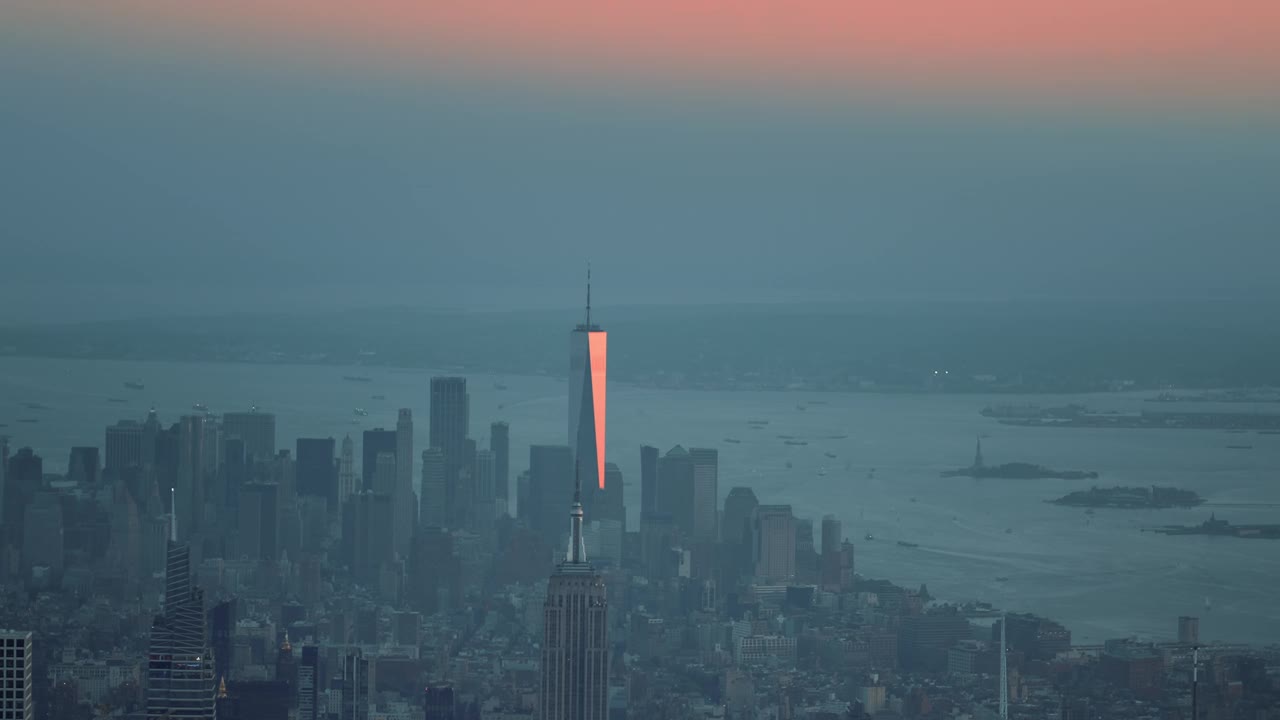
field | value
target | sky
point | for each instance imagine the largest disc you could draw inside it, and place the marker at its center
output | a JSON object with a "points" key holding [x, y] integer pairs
{"points": [[178, 158]]}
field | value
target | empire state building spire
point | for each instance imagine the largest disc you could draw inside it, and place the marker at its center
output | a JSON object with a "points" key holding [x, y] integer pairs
{"points": [[577, 554]]}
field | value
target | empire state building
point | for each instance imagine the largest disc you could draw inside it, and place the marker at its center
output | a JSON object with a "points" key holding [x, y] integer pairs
{"points": [[575, 648]]}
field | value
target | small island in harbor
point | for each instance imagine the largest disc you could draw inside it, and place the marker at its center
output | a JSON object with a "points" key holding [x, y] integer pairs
{"points": [[1131, 498], [1214, 526], [1016, 471]]}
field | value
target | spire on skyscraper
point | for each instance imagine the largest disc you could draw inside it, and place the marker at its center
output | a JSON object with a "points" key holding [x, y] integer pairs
{"points": [[173, 515], [577, 554]]}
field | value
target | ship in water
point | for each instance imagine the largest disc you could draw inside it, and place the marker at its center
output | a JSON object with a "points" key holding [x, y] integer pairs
{"points": [[906, 544], [357, 378], [133, 385], [794, 442], [360, 412], [734, 441]]}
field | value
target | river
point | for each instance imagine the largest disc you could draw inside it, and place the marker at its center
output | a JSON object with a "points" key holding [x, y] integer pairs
{"points": [[1099, 574]]}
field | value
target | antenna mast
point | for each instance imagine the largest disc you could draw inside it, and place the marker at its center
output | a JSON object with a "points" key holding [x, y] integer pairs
{"points": [[173, 514], [588, 295]]}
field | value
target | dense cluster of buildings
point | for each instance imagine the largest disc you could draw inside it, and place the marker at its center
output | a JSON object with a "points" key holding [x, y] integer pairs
{"points": [[197, 570]]}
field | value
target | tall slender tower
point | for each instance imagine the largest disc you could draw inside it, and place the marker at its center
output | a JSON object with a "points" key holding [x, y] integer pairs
{"points": [[346, 474], [1004, 653], [406, 504], [180, 682], [588, 373], [575, 648]]}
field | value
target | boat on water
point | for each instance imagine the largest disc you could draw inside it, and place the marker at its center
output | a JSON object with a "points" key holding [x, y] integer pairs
{"points": [[1002, 578], [1239, 447], [377, 397], [822, 472], [133, 385], [906, 544], [360, 412], [34, 406], [1008, 531], [870, 536], [794, 442], [357, 378], [786, 437], [735, 441], [913, 499], [830, 455]]}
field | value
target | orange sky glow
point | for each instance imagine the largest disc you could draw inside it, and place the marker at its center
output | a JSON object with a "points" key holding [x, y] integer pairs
{"points": [[1192, 48]]}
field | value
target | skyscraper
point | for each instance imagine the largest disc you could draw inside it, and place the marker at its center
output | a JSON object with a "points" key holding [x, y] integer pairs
{"points": [[355, 687], [124, 445], [675, 489], [549, 465], [450, 423], [376, 441], [648, 480], [346, 474], [315, 472], [16, 653], [575, 648], [483, 510], [500, 445], [832, 555], [190, 482], [432, 508], [406, 503], [706, 493], [256, 429], [438, 703], [180, 681], [309, 684], [588, 374], [774, 536], [82, 465]]}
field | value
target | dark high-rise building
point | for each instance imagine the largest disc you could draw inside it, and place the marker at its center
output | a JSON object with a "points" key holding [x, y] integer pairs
{"points": [[235, 471], [450, 423], [256, 429], [588, 375], [375, 441], [550, 467], [484, 508], [309, 698], [500, 445], [190, 484], [42, 534], [675, 489], [774, 543], [832, 554], [24, 477], [82, 465], [609, 501], [315, 471], [17, 701], [257, 538], [222, 626], [439, 703], [432, 503], [367, 535], [124, 445], [406, 503], [1188, 630], [575, 648], [356, 691], [180, 679], [706, 494], [648, 480]]}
